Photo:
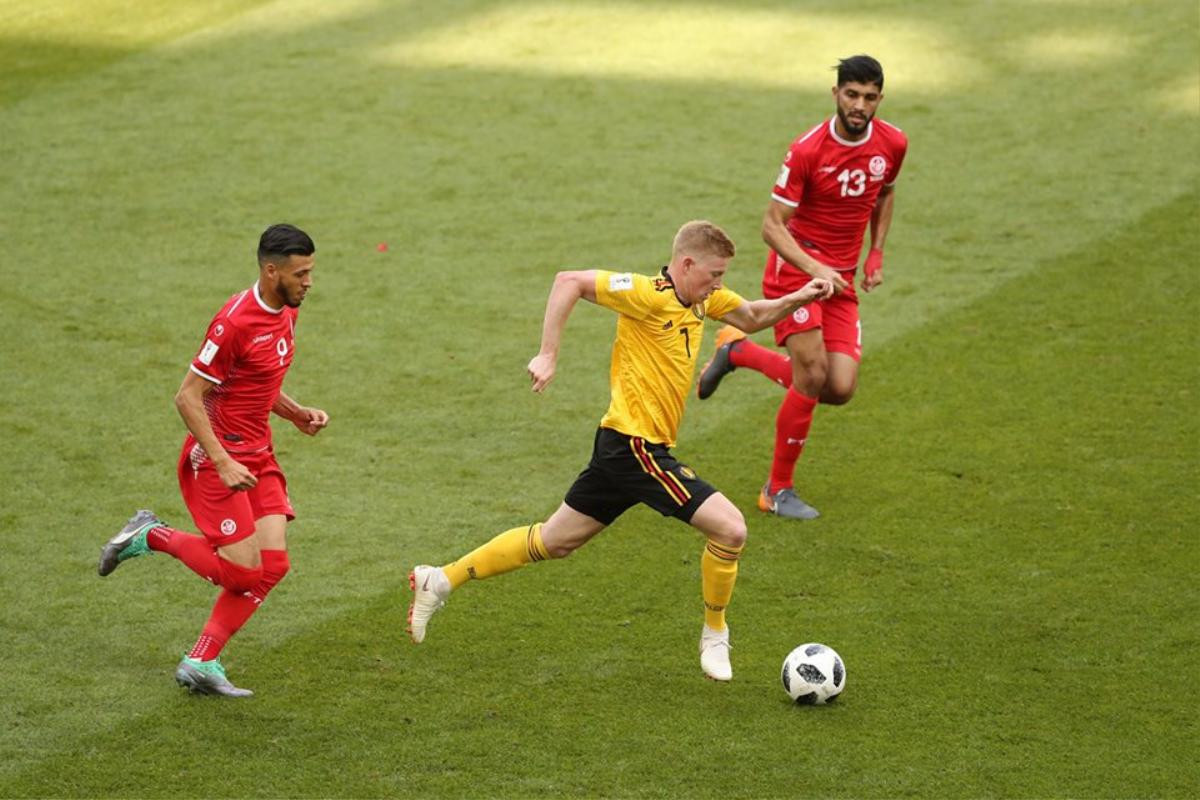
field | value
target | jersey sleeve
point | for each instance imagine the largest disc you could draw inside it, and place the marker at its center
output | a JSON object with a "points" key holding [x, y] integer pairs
{"points": [[627, 293], [216, 356], [789, 186], [721, 302]]}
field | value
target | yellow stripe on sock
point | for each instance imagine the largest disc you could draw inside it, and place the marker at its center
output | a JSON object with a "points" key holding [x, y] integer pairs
{"points": [[723, 552], [534, 544]]}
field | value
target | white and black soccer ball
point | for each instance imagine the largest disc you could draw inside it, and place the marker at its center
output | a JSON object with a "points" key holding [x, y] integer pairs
{"points": [[813, 674]]}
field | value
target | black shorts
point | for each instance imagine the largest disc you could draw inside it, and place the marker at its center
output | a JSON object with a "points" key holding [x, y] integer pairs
{"points": [[627, 470]]}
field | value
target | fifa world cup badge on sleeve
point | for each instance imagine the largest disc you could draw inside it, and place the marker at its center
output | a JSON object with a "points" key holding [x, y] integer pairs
{"points": [[208, 351], [620, 282]]}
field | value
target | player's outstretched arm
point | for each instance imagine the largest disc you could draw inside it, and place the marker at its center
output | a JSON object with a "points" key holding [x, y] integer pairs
{"points": [[777, 236], [308, 420], [189, 401], [758, 314], [567, 289]]}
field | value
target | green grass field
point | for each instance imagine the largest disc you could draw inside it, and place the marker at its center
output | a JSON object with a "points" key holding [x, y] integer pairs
{"points": [[1008, 554]]}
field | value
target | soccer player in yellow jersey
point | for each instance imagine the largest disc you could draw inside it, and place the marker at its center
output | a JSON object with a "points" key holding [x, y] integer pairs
{"points": [[660, 322]]}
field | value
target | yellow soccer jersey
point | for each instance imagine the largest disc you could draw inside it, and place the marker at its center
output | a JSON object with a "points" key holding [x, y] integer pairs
{"points": [[654, 355]]}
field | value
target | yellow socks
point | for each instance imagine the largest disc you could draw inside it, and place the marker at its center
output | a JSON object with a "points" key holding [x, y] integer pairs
{"points": [[512, 549], [718, 572]]}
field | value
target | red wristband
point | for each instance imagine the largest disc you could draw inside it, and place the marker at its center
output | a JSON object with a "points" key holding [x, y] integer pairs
{"points": [[874, 261]]}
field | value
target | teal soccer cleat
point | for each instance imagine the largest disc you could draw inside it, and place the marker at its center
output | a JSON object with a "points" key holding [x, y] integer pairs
{"points": [[130, 541], [206, 677]]}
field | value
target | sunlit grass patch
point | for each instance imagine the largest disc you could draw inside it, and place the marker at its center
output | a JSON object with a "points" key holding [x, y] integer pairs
{"points": [[758, 47], [1073, 48]]}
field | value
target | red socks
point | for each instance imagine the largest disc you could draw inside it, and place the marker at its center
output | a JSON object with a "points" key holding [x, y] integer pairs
{"points": [[791, 429], [232, 609], [795, 413], [771, 363], [201, 558]]}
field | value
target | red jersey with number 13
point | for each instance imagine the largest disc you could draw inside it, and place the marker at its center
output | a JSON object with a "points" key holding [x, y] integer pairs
{"points": [[247, 351], [834, 183]]}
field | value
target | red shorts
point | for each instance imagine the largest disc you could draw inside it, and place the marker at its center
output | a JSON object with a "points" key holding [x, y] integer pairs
{"points": [[222, 514], [837, 317]]}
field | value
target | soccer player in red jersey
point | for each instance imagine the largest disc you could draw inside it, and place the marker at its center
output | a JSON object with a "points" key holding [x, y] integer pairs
{"points": [[228, 474], [836, 181]]}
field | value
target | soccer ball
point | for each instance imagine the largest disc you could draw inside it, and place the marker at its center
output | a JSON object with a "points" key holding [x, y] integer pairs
{"points": [[813, 674]]}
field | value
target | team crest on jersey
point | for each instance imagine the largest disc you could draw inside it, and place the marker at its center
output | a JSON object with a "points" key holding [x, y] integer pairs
{"points": [[800, 315], [220, 329], [877, 165], [228, 527]]}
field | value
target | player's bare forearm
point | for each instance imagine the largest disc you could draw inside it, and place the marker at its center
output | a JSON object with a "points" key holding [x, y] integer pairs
{"points": [[779, 239], [285, 407], [568, 288], [777, 236], [881, 217], [759, 314], [189, 402], [308, 420], [881, 221]]}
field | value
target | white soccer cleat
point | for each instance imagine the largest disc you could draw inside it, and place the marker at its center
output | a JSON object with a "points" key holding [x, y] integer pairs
{"points": [[714, 654], [430, 588]]}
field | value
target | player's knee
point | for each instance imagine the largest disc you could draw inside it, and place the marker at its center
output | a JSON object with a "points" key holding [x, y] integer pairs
{"points": [[738, 533], [237, 578], [809, 375], [732, 531], [836, 397], [838, 391]]}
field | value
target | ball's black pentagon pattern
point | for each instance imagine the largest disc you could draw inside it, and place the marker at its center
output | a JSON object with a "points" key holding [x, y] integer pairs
{"points": [[813, 674], [810, 673]]}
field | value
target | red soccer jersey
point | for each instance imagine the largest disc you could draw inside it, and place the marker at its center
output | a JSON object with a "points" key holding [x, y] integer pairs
{"points": [[246, 352], [834, 183]]}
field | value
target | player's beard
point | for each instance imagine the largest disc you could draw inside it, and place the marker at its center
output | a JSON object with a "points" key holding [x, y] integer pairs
{"points": [[292, 298], [854, 130]]}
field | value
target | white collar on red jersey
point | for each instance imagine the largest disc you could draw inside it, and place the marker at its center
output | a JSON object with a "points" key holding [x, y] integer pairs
{"points": [[262, 303], [833, 132]]}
